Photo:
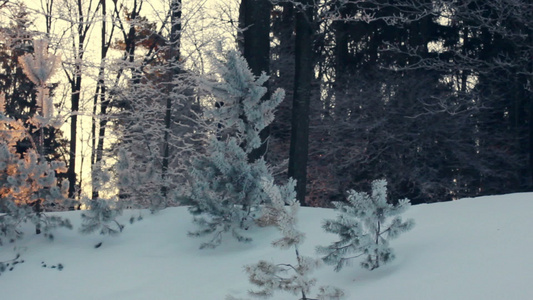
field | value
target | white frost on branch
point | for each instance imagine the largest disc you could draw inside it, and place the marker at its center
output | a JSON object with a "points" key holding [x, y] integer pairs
{"points": [[293, 278], [39, 66], [364, 228]]}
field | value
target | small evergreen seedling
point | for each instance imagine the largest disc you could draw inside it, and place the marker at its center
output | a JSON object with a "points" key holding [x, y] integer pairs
{"points": [[226, 192], [101, 216], [293, 278], [364, 228]]}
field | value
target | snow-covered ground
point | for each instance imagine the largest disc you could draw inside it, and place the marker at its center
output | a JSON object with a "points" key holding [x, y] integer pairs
{"points": [[470, 249]]}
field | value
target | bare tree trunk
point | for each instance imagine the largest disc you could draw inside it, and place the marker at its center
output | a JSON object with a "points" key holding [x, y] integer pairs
{"points": [[302, 86], [530, 100], [255, 19], [98, 140], [75, 106], [174, 44], [84, 21], [47, 7]]}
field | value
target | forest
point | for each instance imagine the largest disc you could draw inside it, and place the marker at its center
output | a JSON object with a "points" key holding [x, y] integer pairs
{"points": [[132, 113], [435, 97]]}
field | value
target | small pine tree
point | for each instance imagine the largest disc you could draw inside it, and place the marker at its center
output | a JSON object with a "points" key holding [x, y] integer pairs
{"points": [[293, 278], [28, 184], [27, 181], [226, 191], [101, 213], [364, 228]]}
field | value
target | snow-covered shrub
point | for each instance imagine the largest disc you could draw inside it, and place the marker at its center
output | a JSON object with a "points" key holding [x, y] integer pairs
{"points": [[364, 228], [102, 213], [288, 277], [133, 181], [226, 192], [27, 181], [27, 185]]}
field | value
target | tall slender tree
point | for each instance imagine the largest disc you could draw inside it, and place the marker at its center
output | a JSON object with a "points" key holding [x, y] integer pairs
{"points": [[255, 23], [80, 16], [101, 97], [174, 61], [282, 75], [301, 98]]}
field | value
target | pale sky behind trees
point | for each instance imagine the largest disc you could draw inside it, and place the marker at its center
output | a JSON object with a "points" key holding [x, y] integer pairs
{"points": [[205, 22]]}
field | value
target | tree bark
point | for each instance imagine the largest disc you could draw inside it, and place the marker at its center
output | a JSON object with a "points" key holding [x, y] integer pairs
{"points": [[300, 111], [83, 23], [174, 44], [75, 106], [98, 140], [75, 85], [255, 19]]}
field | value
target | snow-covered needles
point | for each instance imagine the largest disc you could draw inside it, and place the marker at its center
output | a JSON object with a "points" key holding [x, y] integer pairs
{"points": [[364, 229]]}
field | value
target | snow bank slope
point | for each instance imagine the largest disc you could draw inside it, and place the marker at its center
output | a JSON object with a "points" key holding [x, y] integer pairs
{"points": [[469, 249]]}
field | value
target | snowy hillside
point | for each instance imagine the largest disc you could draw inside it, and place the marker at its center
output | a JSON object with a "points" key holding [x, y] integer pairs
{"points": [[468, 249]]}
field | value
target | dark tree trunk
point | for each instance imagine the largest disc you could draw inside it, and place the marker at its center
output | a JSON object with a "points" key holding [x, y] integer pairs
{"points": [[75, 106], [300, 110], [530, 100], [255, 18], [75, 85], [174, 44], [98, 140], [85, 20], [530, 154]]}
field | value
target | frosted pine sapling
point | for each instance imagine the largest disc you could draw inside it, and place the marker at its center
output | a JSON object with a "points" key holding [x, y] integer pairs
{"points": [[226, 192], [27, 181], [241, 112], [129, 180], [293, 278], [102, 213], [39, 68], [364, 228]]}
